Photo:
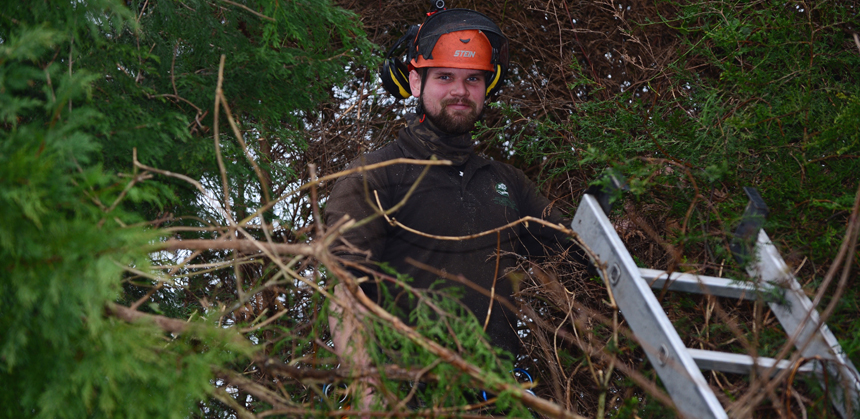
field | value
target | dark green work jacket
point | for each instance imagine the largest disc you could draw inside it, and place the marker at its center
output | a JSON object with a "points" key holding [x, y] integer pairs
{"points": [[476, 196]]}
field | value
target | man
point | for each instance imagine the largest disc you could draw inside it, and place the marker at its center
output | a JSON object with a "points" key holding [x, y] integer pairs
{"points": [[456, 58]]}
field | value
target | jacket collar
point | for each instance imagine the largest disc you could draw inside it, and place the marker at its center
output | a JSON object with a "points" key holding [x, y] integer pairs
{"points": [[422, 139]]}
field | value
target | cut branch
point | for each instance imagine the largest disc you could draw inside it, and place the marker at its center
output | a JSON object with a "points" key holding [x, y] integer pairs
{"points": [[245, 246]]}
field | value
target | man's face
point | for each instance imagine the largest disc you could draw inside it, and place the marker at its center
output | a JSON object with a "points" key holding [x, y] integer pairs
{"points": [[453, 98]]}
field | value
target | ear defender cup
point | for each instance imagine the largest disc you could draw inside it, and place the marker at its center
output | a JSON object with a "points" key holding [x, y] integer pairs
{"points": [[394, 73], [494, 82], [395, 78]]}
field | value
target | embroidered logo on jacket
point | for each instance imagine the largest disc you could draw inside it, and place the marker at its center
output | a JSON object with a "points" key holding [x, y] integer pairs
{"points": [[504, 197]]}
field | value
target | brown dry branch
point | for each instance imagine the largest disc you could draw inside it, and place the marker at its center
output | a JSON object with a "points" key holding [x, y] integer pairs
{"points": [[264, 185], [319, 250], [561, 298], [217, 138], [246, 8], [311, 375], [334, 176], [448, 356], [245, 246], [165, 323]]}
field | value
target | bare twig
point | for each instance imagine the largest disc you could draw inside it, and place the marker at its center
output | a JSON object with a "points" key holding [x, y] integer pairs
{"points": [[134, 180], [236, 132], [173, 71], [142, 9], [495, 278], [216, 135], [225, 398], [445, 354], [149, 294], [244, 246], [165, 323], [177, 97], [203, 191], [249, 10], [359, 169]]}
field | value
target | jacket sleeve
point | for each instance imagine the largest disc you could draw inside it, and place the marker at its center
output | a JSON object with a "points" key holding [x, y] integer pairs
{"points": [[539, 239], [352, 196]]}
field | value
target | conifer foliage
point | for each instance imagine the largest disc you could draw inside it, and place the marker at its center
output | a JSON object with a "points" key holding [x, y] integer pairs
{"points": [[84, 87], [64, 245]]}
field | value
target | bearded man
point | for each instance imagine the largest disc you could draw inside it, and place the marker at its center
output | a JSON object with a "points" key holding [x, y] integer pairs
{"points": [[456, 59]]}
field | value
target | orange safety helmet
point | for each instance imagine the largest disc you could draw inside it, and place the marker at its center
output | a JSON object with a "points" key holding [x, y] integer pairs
{"points": [[462, 49], [455, 38]]}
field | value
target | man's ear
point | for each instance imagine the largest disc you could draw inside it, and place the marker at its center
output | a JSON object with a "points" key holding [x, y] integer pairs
{"points": [[415, 83]]}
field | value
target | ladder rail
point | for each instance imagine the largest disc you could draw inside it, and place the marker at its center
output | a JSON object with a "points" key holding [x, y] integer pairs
{"points": [[664, 348], [803, 325], [680, 367]]}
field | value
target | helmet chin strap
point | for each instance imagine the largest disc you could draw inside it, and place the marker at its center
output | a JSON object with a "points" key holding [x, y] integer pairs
{"points": [[423, 73]]}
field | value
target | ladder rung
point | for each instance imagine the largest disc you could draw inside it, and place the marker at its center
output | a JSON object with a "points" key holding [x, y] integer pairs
{"points": [[739, 363], [699, 284], [679, 367]]}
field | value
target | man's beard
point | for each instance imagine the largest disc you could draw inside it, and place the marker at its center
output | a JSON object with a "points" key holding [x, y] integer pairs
{"points": [[456, 123]]}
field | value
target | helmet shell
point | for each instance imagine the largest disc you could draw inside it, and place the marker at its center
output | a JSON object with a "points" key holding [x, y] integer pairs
{"points": [[436, 44], [443, 34], [469, 49]]}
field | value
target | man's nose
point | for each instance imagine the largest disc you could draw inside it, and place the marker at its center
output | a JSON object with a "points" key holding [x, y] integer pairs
{"points": [[459, 88]]}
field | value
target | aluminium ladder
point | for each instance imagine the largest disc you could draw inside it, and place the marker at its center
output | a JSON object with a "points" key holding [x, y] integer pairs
{"points": [[680, 367]]}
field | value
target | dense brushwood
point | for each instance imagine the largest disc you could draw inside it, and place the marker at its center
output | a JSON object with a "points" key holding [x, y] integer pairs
{"points": [[162, 254]]}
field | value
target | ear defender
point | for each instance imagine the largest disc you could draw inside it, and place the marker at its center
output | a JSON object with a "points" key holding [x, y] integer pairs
{"points": [[395, 78], [493, 84], [395, 74]]}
